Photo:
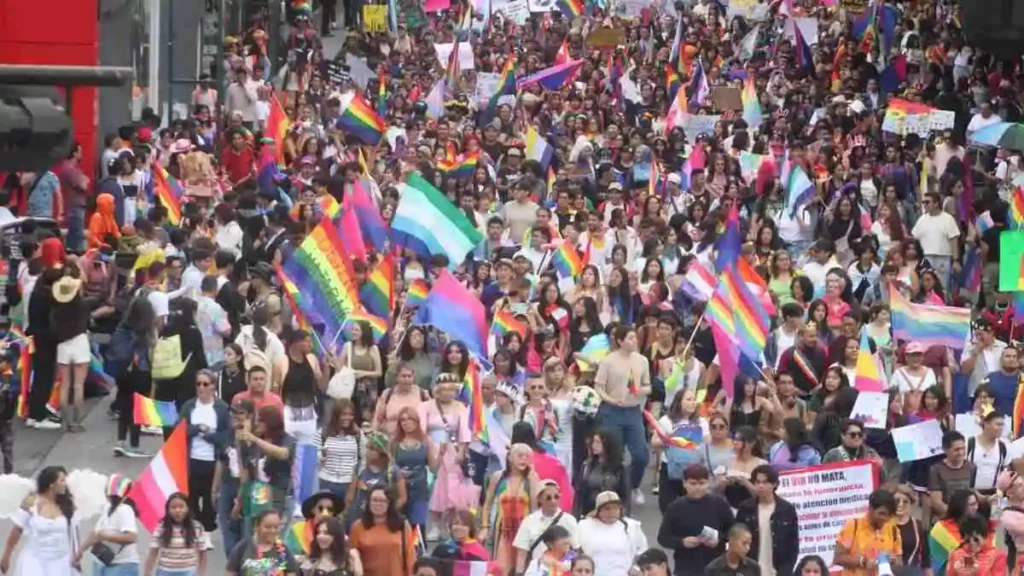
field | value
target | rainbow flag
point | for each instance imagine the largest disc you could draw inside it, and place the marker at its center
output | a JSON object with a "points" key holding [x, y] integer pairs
{"points": [[672, 81], [278, 126], [24, 372], [1018, 410], [867, 375], [378, 325], [166, 474], [97, 373], [505, 322], [299, 537], [360, 119], [453, 308], [748, 315], [378, 292], [929, 325], [566, 260], [321, 271], [298, 307], [418, 292], [169, 192], [149, 412], [943, 539], [688, 439], [461, 167], [472, 396], [751, 105], [570, 8], [1017, 209]]}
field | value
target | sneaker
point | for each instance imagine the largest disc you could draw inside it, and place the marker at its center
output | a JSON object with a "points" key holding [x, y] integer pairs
{"points": [[50, 424], [153, 430], [638, 497], [654, 491], [113, 414], [31, 422], [119, 450], [134, 452], [433, 534]]}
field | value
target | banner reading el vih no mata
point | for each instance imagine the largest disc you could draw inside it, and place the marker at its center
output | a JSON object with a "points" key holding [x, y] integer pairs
{"points": [[825, 497]]}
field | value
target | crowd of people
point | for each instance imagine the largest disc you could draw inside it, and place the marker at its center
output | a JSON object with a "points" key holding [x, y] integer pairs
{"points": [[638, 159]]}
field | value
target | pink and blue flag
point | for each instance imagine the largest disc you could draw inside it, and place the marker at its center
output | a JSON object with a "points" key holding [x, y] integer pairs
{"points": [[351, 235], [555, 77], [451, 307]]}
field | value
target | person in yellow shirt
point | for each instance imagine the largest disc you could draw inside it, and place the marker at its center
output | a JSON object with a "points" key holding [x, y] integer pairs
{"points": [[866, 540]]}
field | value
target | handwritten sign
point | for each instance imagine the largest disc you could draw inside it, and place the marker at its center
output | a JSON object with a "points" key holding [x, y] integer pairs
{"points": [[541, 6], [871, 408], [517, 11], [486, 85], [466, 60], [826, 497], [695, 125], [918, 441], [375, 18]]}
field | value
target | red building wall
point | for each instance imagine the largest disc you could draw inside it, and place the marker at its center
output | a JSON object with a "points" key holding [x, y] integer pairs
{"points": [[57, 32]]}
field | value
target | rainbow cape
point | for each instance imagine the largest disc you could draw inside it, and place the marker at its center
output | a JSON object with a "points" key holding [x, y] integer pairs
{"points": [[472, 396]]}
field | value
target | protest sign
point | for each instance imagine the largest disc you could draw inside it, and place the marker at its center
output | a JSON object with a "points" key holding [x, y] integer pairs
{"points": [[726, 98], [466, 59], [970, 425], [695, 124], [825, 497], [871, 408], [854, 6], [436, 5], [337, 72], [486, 85], [631, 8], [375, 18], [942, 120], [359, 70], [517, 11], [918, 441], [540, 6], [606, 38]]}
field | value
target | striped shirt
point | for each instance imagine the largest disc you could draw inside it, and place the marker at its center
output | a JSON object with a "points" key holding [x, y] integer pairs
{"points": [[341, 456], [177, 556]]}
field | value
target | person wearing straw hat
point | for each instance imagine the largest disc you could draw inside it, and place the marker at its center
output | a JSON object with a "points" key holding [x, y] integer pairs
{"points": [[69, 318], [610, 538]]}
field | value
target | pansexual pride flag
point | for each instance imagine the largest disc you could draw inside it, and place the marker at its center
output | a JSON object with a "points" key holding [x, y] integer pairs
{"points": [[555, 77], [360, 119], [149, 412], [867, 374]]}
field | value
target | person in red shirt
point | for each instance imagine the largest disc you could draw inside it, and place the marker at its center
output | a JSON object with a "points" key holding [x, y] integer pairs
{"points": [[238, 162], [258, 393]]}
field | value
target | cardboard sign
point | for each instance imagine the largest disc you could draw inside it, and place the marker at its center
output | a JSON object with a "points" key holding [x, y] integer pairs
{"points": [[466, 59], [375, 18], [918, 441], [854, 6], [486, 86], [541, 6], [517, 11], [606, 38], [727, 98], [337, 72]]}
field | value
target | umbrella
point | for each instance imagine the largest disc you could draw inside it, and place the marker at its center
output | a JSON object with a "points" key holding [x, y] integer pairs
{"points": [[1001, 135]]}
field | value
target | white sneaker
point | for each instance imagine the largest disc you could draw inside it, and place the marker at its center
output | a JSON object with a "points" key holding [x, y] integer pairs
{"points": [[31, 422], [638, 497], [48, 424], [152, 430], [433, 534]]}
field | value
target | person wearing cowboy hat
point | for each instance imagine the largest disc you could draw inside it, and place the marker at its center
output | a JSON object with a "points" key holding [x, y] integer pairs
{"points": [[318, 507], [69, 320], [528, 542], [610, 538]]}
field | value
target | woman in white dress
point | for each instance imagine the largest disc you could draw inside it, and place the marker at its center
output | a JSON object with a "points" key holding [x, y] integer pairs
{"points": [[47, 523]]}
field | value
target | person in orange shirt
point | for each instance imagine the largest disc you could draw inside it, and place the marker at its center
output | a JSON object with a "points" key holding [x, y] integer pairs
{"points": [[103, 224], [871, 538]]}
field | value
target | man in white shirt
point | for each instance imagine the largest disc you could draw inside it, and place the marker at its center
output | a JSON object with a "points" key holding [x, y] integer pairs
{"points": [[527, 542], [821, 260], [937, 231], [192, 278], [988, 452], [241, 97], [982, 354], [536, 252], [985, 117]]}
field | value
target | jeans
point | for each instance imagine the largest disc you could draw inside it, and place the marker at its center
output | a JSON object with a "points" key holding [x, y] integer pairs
{"points": [[165, 572], [629, 423], [336, 488], [76, 228], [200, 496], [126, 569], [230, 529]]}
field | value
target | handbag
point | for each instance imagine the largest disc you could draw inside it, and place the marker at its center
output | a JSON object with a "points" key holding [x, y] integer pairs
{"points": [[104, 554], [343, 383]]}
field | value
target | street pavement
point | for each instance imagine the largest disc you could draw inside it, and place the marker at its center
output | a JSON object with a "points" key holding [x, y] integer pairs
{"points": [[93, 450]]}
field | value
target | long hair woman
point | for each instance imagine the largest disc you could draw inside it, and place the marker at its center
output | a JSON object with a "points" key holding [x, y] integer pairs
{"points": [[383, 538], [329, 554], [683, 415], [47, 523], [341, 446], [508, 502], [414, 453], [179, 542], [603, 470]]}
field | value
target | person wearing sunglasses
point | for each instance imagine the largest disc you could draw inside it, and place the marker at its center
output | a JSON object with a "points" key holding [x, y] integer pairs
{"points": [[528, 543], [851, 445], [208, 421], [978, 554]]}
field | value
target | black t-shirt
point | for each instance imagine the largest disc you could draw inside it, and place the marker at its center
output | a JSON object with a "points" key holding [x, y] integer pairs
{"points": [[991, 239], [244, 560]]}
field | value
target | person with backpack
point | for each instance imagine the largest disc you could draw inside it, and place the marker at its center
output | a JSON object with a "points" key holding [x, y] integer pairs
{"points": [[404, 394], [177, 356], [989, 453], [528, 542], [682, 417]]}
